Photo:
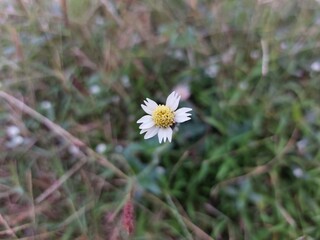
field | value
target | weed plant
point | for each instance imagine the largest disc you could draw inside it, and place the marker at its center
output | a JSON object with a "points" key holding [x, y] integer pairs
{"points": [[73, 75]]}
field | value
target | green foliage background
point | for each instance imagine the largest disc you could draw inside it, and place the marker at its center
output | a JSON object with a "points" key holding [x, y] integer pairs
{"points": [[245, 167]]}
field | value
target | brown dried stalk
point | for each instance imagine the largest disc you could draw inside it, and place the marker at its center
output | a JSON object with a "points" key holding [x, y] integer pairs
{"points": [[59, 131]]}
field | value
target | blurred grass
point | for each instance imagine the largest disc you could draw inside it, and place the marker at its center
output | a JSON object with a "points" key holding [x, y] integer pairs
{"points": [[245, 167]]}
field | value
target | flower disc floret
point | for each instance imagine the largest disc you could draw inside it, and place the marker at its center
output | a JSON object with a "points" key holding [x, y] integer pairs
{"points": [[163, 116]]}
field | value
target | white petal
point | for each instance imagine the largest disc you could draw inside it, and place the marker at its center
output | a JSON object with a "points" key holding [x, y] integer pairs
{"points": [[170, 98], [181, 119], [183, 112], [146, 125], [169, 134], [146, 109], [173, 101], [182, 115], [144, 119], [151, 104], [160, 135], [151, 132], [165, 133], [144, 130]]}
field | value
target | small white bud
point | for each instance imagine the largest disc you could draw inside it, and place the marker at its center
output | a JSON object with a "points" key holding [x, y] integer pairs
{"points": [[13, 131], [315, 66], [95, 89], [101, 148]]}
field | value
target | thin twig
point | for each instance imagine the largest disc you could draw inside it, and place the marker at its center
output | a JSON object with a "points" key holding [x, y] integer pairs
{"points": [[15, 229], [59, 131], [30, 189], [15, 219], [61, 180], [7, 226], [265, 57], [200, 234], [63, 5], [45, 121], [259, 169], [178, 216], [112, 11]]}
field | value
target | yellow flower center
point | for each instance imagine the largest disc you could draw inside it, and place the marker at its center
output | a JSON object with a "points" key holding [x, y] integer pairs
{"points": [[163, 116]]}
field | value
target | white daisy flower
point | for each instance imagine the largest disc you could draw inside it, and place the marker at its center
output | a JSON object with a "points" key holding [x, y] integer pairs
{"points": [[161, 118]]}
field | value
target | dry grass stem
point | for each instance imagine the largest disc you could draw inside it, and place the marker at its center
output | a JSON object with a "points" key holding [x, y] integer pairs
{"points": [[61, 180], [59, 131], [9, 230]]}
